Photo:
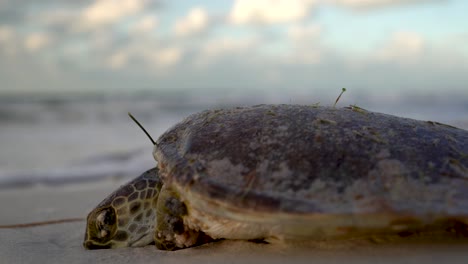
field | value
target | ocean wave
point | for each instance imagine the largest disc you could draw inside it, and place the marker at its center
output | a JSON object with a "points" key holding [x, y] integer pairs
{"points": [[45, 138], [116, 166]]}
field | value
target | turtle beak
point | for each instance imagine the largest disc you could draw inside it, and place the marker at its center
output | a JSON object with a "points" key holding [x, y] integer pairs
{"points": [[91, 245]]}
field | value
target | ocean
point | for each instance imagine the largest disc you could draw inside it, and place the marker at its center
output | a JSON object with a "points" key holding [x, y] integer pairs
{"points": [[69, 138]]}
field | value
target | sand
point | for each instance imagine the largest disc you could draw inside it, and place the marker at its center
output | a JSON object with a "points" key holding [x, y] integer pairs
{"points": [[62, 242]]}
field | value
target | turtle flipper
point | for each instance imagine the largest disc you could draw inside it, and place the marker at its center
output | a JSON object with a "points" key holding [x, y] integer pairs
{"points": [[171, 233]]}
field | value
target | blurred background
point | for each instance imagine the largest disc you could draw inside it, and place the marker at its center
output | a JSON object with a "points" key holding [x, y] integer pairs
{"points": [[70, 70]]}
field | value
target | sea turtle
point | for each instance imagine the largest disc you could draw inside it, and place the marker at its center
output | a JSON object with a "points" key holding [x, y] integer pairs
{"points": [[290, 172]]}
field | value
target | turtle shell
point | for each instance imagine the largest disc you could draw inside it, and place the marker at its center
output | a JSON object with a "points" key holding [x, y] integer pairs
{"points": [[302, 159]]}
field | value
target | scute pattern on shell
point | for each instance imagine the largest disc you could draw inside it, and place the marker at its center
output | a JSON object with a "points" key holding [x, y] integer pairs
{"points": [[309, 159]]}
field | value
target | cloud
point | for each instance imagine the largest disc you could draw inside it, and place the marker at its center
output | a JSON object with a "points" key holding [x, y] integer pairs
{"points": [[8, 40], [403, 46], [106, 43], [167, 56], [371, 4], [60, 19], [6, 33], [105, 12], [301, 32], [144, 57], [306, 44], [145, 24], [219, 48], [118, 60], [269, 11], [36, 41], [196, 21]]}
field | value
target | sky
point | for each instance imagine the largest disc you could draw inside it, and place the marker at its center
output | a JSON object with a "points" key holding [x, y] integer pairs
{"points": [[371, 46]]}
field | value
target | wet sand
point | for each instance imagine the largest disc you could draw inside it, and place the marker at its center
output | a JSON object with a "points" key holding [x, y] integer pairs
{"points": [[62, 242]]}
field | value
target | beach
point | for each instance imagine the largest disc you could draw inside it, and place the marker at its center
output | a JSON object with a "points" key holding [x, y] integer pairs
{"points": [[62, 242], [61, 157]]}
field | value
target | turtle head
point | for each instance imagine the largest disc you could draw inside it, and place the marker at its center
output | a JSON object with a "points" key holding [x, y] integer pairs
{"points": [[127, 217]]}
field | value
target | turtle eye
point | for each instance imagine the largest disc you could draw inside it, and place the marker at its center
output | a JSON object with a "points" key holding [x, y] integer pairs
{"points": [[105, 222], [104, 233]]}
